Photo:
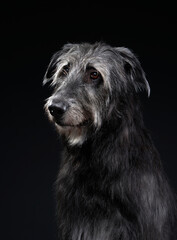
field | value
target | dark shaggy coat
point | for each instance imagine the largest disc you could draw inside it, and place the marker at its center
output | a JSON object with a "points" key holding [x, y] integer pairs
{"points": [[112, 186]]}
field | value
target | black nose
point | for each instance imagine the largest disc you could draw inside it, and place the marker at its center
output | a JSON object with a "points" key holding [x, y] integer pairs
{"points": [[57, 109]]}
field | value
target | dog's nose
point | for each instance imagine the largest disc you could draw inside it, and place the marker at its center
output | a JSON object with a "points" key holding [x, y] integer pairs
{"points": [[57, 109]]}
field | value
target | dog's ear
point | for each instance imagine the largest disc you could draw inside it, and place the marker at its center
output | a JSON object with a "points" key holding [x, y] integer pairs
{"points": [[55, 60], [133, 70], [51, 69]]}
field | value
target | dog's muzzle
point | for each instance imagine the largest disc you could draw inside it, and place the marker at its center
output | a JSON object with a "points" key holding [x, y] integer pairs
{"points": [[57, 109]]}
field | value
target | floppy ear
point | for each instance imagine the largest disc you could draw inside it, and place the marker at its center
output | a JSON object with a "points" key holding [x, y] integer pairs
{"points": [[51, 68], [133, 70], [56, 58]]}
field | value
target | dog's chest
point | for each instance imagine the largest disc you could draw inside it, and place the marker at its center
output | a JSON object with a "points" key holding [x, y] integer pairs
{"points": [[84, 191], [85, 206]]}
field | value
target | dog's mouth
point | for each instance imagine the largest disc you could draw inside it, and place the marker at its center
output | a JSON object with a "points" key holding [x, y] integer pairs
{"points": [[82, 124]]}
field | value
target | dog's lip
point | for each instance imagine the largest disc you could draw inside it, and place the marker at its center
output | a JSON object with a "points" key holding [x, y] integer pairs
{"points": [[82, 124]]}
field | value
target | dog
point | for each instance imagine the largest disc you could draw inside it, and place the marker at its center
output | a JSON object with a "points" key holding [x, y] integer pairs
{"points": [[111, 183]]}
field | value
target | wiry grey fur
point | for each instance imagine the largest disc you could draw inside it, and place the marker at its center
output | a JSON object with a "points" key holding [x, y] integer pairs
{"points": [[111, 184], [108, 61]]}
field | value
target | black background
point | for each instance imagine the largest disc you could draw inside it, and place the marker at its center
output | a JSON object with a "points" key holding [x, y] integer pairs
{"points": [[30, 146]]}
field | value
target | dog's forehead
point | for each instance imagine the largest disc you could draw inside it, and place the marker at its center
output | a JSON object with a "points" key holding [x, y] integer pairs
{"points": [[84, 54]]}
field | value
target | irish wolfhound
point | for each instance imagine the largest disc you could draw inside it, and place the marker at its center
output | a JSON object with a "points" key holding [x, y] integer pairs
{"points": [[111, 184]]}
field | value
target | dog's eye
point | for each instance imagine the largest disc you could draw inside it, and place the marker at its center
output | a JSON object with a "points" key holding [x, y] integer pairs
{"points": [[94, 75], [65, 70]]}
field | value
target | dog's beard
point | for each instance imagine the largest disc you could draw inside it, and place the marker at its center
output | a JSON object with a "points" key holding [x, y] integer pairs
{"points": [[75, 135], [72, 125], [77, 129]]}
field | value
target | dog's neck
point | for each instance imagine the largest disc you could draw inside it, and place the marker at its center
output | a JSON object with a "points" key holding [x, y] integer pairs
{"points": [[125, 143]]}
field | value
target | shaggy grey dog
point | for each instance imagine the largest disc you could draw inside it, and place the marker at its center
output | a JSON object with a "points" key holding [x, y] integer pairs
{"points": [[111, 184]]}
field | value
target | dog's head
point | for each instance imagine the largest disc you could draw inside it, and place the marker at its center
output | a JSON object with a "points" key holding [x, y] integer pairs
{"points": [[88, 81]]}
